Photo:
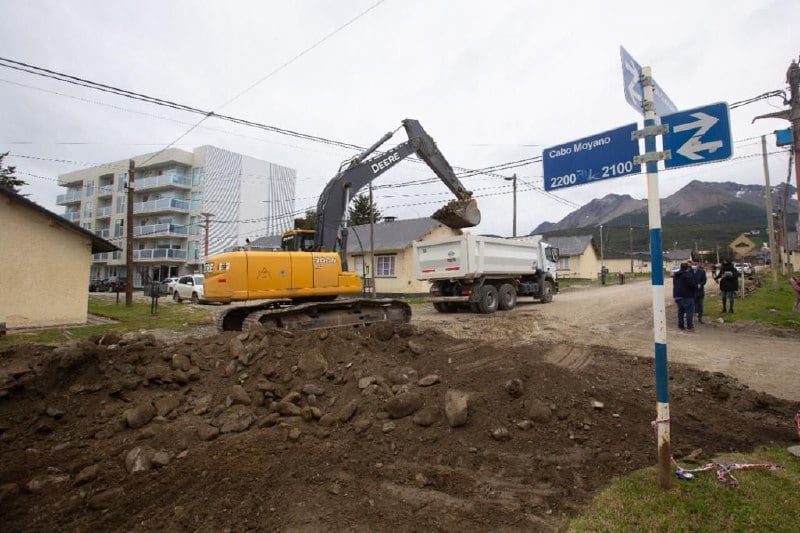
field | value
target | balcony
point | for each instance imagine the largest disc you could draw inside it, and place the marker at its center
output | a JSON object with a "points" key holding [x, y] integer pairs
{"points": [[163, 182], [156, 254], [160, 230], [104, 212], [103, 233], [105, 190], [100, 257], [162, 205], [68, 198], [73, 216]]}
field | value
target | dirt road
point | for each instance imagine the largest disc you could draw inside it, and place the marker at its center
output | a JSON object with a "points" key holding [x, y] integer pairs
{"points": [[621, 316]]}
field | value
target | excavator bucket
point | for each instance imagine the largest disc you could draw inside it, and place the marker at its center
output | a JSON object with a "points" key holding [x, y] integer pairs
{"points": [[459, 214]]}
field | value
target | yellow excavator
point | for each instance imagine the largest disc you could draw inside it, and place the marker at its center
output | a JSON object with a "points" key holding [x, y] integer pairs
{"points": [[299, 287]]}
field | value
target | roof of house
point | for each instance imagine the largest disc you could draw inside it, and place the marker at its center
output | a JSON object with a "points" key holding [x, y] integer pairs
{"points": [[678, 255], [571, 246], [98, 245], [396, 235]]}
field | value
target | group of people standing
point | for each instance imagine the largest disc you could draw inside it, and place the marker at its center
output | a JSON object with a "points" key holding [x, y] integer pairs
{"points": [[688, 290]]}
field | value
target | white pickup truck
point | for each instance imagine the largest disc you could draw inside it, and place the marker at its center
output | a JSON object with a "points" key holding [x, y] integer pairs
{"points": [[485, 274]]}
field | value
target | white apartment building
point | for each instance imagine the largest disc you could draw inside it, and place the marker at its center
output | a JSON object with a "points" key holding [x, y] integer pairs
{"points": [[175, 193]]}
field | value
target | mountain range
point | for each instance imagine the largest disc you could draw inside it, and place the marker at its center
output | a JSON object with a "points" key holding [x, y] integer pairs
{"points": [[709, 203]]}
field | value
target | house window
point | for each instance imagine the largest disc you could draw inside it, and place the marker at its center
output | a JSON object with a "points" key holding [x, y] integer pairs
{"points": [[563, 263], [384, 266]]}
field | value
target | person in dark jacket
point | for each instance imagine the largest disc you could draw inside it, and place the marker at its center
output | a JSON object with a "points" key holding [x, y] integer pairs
{"points": [[683, 290], [700, 278], [728, 280]]}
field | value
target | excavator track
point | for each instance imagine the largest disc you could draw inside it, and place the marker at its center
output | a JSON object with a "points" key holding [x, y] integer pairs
{"points": [[315, 315]]}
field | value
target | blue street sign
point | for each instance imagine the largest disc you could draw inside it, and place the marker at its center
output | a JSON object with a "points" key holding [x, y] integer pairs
{"points": [[783, 137], [631, 74], [699, 135], [602, 156]]}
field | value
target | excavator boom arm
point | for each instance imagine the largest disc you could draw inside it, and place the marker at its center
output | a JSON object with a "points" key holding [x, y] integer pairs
{"points": [[332, 205]]}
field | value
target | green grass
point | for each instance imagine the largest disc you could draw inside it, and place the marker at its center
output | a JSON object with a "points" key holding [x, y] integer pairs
{"points": [[765, 501], [765, 305], [135, 318]]}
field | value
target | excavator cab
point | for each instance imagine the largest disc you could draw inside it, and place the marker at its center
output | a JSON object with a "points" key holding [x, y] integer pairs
{"points": [[297, 240]]}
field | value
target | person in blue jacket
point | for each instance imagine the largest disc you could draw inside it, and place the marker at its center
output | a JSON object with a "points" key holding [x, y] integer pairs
{"points": [[683, 290], [700, 278]]}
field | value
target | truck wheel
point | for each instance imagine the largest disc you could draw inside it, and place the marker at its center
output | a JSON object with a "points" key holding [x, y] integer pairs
{"points": [[487, 303], [176, 297], [507, 297], [547, 293], [441, 307]]}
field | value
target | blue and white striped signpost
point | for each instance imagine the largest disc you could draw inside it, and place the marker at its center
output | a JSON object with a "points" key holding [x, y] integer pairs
{"points": [[650, 158]]}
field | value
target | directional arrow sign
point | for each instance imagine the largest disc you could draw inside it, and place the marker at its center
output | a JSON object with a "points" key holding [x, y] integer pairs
{"points": [[699, 135], [631, 74], [602, 156]]}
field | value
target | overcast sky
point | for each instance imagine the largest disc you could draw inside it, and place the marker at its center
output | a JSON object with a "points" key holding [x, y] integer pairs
{"points": [[491, 82]]}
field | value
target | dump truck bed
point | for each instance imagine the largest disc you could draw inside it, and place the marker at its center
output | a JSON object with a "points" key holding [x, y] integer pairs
{"points": [[471, 256]]}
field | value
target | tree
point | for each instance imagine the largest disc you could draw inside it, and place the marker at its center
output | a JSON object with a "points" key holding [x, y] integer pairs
{"points": [[308, 221], [7, 177], [362, 212]]}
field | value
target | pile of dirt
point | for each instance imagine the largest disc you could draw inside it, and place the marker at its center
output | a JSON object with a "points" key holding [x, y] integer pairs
{"points": [[365, 429]]}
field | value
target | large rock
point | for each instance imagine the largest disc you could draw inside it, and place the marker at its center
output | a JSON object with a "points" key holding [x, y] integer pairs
{"points": [[514, 387], [139, 459], [207, 432], [426, 416], [166, 405], [239, 396], [347, 412], [234, 420], [456, 407], [181, 362], [416, 347], [312, 363], [404, 404], [539, 412], [137, 417], [402, 375], [88, 474]]}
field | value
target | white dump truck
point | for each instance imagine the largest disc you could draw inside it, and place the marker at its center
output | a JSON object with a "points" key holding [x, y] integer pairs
{"points": [[485, 274]]}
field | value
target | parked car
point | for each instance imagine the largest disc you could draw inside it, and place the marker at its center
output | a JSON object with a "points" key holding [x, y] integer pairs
{"points": [[189, 288], [115, 284], [168, 285], [96, 284]]}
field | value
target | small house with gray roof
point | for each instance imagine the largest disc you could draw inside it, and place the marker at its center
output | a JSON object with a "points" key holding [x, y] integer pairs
{"points": [[578, 256], [46, 264], [393, 253]]}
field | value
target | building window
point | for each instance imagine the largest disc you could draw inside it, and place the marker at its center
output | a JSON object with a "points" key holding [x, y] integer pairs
{"points": [[87, 210], [89, 188], [197, 176], [563, 263], [384, 266]]}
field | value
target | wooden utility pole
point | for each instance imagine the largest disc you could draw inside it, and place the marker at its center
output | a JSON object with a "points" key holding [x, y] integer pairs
{"points": [[372, 289], [773, 267], [129, 235], [792, 115], [630, 244]]}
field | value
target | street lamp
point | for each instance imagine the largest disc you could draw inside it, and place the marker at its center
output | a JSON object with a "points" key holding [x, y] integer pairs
{"points": [[208, 217], [513, 179]]}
